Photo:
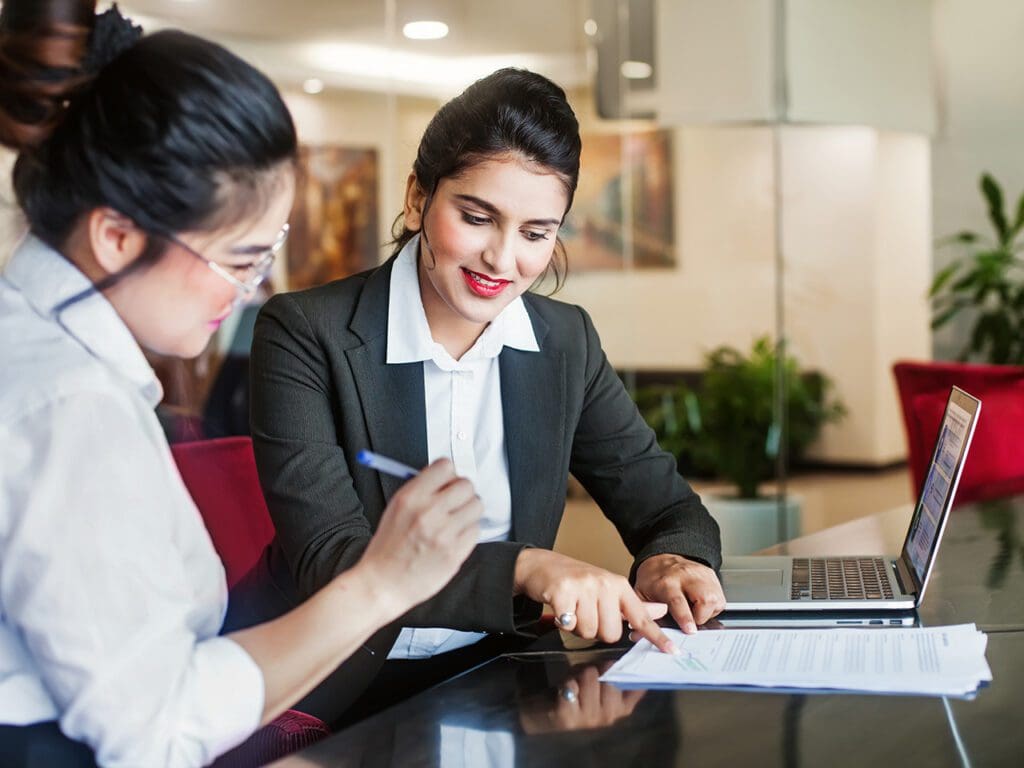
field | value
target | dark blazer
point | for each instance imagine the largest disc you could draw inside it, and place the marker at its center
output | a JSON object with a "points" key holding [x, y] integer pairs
{"points": [[321, 392]]}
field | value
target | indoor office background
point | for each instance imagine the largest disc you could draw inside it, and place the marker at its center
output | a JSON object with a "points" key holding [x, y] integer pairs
{"points": [[753, 170]]}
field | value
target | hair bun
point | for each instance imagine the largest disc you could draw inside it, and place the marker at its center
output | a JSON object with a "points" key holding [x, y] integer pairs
{"points": [[42, 45], [112, 35]]}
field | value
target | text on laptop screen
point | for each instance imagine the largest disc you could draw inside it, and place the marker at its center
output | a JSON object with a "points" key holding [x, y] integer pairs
{"points": [[924, 529]]}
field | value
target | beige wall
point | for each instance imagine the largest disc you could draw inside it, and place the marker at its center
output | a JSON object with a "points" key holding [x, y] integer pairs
{"points": [[846, 62], [856, 243], [721, 290], [980, 89]]}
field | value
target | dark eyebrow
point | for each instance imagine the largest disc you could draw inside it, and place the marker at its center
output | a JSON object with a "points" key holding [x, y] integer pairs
{"points": [[496, 213]]}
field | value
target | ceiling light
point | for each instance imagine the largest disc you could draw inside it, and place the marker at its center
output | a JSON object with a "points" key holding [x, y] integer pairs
{"points": [[313, 86], [590, 27], [636, 70], [425, 30], [373, 67]]}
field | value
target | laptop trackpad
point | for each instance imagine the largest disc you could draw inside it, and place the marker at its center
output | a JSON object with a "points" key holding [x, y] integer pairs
{"points": [[751, 577]]}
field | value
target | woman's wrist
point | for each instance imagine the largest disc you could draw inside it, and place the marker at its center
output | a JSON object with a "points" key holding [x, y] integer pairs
{"points": [[526, 562], [380, 596]]}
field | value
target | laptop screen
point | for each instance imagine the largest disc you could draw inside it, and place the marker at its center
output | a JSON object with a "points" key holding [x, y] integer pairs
{"points": [[940, 484]]}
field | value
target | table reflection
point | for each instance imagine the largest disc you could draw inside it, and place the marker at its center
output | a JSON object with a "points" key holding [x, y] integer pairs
{"points": [[581, 702], [1001, 517], [520, 710]]}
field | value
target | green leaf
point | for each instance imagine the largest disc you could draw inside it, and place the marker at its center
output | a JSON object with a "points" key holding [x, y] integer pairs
{"points": [[970, 280], [944, 317], [946, 300], [942, 278], [994, 196], [980, 334], [1018, 223], [965, 237]]}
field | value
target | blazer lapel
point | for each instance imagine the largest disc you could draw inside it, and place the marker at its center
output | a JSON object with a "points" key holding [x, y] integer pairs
{"points": [[533, 402], [391, 395]]}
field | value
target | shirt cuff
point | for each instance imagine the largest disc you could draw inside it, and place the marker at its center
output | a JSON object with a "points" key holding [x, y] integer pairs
{"points": [[229, 695]]}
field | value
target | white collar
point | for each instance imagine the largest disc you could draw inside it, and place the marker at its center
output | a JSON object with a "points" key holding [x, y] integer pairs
{"points": [[46, 279], [409, 339]]}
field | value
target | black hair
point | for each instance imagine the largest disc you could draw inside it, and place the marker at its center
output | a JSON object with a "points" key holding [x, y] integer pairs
{"points": [[511, 111], [174, 132]]}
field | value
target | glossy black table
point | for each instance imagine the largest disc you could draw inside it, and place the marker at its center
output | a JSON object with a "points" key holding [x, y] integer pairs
{"points": [[514, 707], [518, 710]]}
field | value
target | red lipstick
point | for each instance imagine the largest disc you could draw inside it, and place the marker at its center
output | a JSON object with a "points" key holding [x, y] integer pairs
{"points": [[482, 285]]}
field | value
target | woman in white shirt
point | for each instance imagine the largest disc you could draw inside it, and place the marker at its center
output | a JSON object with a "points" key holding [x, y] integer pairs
{"points": [[156, 176], [444, 352]]}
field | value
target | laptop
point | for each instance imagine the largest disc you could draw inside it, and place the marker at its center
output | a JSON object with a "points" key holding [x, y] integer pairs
{"points": [[870, 582]]}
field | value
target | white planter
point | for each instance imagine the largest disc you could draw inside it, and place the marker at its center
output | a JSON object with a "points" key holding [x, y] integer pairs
{"points": [[752, 524]]}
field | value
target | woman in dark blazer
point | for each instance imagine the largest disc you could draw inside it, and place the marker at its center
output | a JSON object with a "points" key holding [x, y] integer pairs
{"points": [[442, 352]]}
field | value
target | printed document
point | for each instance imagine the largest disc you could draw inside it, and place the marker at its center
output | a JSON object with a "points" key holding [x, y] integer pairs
{"points": [[941, 661]]}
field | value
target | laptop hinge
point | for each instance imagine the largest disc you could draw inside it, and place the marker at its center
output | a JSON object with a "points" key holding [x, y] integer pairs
{"points": [[903, 578]]}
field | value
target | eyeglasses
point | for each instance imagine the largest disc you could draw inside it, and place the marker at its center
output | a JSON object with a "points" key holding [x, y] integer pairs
{"points": [[249, 277]]}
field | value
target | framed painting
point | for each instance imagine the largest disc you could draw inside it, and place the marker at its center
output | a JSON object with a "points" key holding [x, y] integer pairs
{"points": [[334, 221], [623, 213]]}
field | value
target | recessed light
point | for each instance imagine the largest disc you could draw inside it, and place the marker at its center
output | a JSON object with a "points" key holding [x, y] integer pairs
{"points": [[313, 85], [590, 27], [425, 30], [636, 70]]}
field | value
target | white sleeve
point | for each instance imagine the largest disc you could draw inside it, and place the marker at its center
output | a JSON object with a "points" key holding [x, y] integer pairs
{"points": [[92, 578]]}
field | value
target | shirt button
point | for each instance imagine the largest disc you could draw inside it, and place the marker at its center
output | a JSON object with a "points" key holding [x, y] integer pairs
{"points": [[461, 435]]}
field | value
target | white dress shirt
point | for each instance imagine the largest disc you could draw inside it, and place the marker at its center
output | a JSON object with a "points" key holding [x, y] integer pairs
{"points": [[111, 594], [464, 415]]}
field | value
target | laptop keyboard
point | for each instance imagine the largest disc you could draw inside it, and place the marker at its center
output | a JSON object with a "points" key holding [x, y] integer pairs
{"points": [[840, 578]]}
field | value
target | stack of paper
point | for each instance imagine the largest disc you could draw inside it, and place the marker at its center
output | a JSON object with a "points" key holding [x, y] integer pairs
{"points": [[941, 661]]}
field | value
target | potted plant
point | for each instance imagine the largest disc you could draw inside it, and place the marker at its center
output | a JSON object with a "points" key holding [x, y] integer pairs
{"points": [[986, 283], [727, 427]]}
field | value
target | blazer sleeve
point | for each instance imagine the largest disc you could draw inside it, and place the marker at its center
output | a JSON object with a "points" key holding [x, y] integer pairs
{"points": [[319, 519], [616, 457], [321, 522]]}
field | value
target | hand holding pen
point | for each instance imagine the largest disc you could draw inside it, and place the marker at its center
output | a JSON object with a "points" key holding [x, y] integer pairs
{"points": [[428, 529]]}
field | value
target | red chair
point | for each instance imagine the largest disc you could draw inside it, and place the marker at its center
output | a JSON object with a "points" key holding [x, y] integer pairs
{"points": [[995, 464], [221, 477]]}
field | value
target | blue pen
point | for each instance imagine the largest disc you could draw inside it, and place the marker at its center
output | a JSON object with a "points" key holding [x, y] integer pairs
{"points": [[385, 465]]}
